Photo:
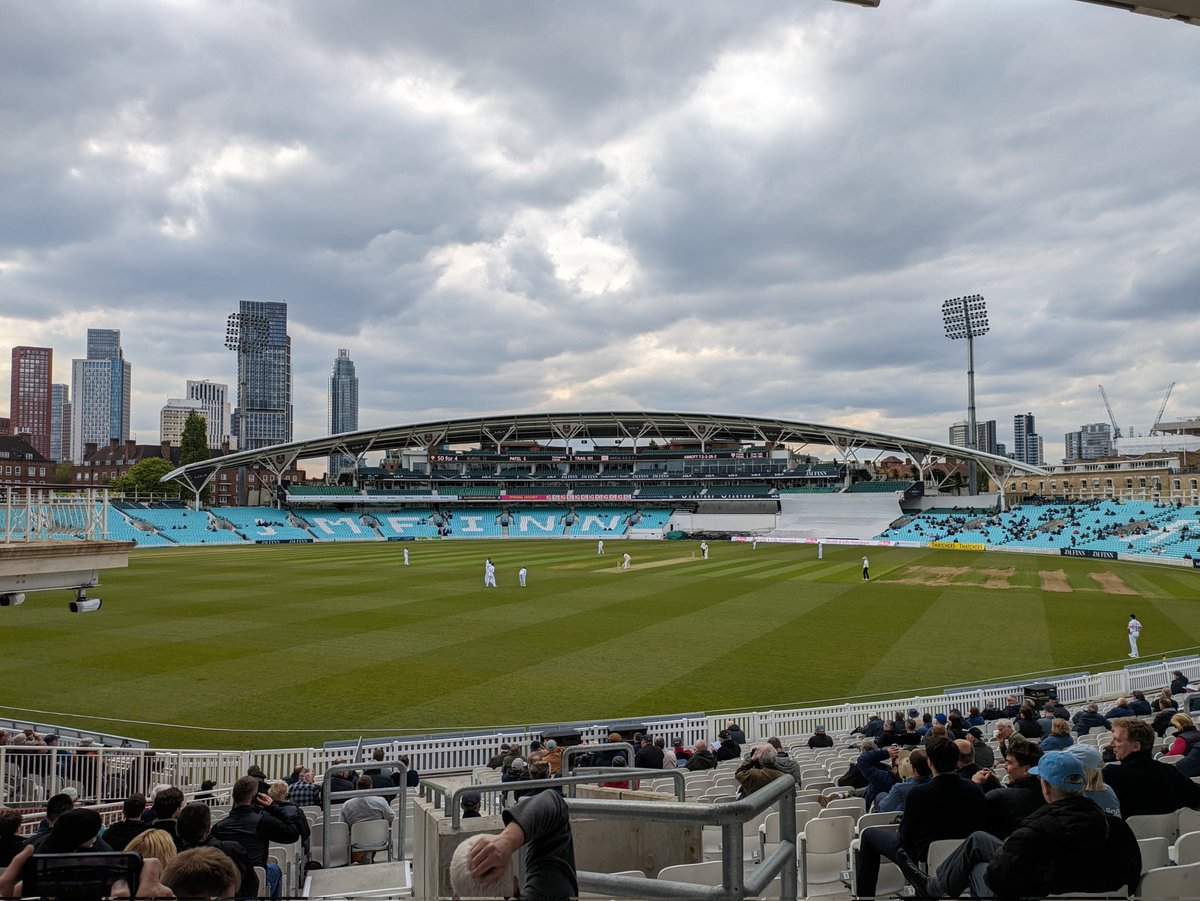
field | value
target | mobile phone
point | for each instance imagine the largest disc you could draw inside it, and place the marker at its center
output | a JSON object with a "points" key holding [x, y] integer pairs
{"points": [[81, 876]]}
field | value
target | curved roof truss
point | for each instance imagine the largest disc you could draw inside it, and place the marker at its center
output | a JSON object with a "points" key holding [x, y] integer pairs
{"points": [[604, 428]]}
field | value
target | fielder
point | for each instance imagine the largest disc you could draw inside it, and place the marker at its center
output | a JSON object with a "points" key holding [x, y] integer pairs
{"points": [[489, 574], [600, 548], [820, 550], [625, 561], [1135, 631], [406, 556], [866, 570], [704, 550], [521, 576]]}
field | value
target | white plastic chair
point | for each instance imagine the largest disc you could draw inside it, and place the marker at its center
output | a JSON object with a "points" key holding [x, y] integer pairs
{"points": [[1170, 883], [1189, 820], [591, 896], [823, 848], [1155, 825], [855, 807], [890, 880], [1186, 848], [939, 851], [1155, 853], [706, 873], [264, 891], [370, 836], [338, 837]]}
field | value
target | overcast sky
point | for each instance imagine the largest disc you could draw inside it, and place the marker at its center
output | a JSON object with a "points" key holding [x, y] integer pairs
{"points": [[752, 207]]}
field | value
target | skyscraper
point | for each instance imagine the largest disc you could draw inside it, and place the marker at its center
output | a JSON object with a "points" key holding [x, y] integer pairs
{"points": [[60, 423], [173, 416], [30, 399], [343, 407], [215, 398], [985, 435], [100, 387], [258, 332], [1027, 443], [1092, 442]]}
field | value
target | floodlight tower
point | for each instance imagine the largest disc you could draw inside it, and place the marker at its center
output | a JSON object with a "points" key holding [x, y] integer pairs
{"points": [[966, 317]]}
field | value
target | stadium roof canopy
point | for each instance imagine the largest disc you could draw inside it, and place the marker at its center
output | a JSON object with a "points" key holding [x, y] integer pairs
{"points": [[630, 428], [1179, 10]]}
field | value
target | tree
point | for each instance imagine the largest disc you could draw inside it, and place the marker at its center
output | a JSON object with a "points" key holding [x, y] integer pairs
{"points": [[193, 446], [64, 473], [145, 477]]}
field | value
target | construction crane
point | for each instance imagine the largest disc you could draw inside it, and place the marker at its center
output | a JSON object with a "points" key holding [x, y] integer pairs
{"points": [[1111, 417], [1162, 409]]}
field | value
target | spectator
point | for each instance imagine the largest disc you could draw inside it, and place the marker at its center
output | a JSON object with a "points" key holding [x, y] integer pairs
{"points": [[1026, 725], [967, 767], [682, 754], [876, 766], [944, 808], [255, 829], [649, 756], [364, 808], [278, 792], [1046, 720], [1012, 710], [167, 802], [1179, 683], [926, 725], [56, 806], [618, 761], [305, 792], [702, 758], [872, 728], [888, 737], [1059, 738], [203, 873], [542, 826], [1139, 705], [729, 749], [1068, 846], [819, 739], [10, 841], [784, 761], [1089, 718], [263, 782], [1007, 805], [471, 803], [758, 770], [553, 757], [75, 831], [497, 760], [985, 757], [975, 717], [1142, 785], [1120, 712], [990, 712], [909, 738], [735, 732], [1186, 743], [118, 835], [156, 843], [381, 776], [411, 777], [913, 772], [1095, 789], [193, 829], [670, 761]]}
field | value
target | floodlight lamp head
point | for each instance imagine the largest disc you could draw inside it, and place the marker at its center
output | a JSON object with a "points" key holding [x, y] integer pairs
{"points": [[84, 605]]}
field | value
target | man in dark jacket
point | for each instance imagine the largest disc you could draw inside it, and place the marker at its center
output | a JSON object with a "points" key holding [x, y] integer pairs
{"points": [[290, 812], [876, 766], [945, 807], [1089, 718], [254, 828], [730, 749], [193, 827], [649, 755], [118, 835], [819, 739], [735, 732], [702, 758], [872, 728], [1008, 805], [1068, 846], [1143, 785], [1139, 705]]}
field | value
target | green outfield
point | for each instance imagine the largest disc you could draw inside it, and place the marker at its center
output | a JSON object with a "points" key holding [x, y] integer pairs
{"points": [[290, 645]]}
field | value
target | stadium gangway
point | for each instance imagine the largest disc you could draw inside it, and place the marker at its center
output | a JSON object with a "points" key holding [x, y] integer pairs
{"points": [[327, 797], [730, 816], [452, 799]]}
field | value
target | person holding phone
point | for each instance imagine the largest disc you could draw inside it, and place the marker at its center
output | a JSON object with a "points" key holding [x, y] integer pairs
{"points": [[255, 822]]}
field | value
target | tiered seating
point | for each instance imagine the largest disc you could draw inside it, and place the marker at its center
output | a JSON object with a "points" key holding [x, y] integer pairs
{"points": [[475, 522], [544, 522], [812, 489], [650, 521], [883, 487], [406, 524], [120, 529], [263, 525], [337, 525], [187, 527], [324, 490], [597, 523], [479, 491]]}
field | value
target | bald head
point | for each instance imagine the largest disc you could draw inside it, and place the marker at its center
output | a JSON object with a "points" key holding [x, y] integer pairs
{"points": [[966, 752]]}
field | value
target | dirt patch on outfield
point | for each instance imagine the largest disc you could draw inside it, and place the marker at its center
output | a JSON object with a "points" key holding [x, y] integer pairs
{"points": [[1055, 581], [929, 575], [997, 578], [1111, 583]]}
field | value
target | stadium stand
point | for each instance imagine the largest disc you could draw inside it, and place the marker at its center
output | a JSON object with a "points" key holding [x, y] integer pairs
{"points": [[263, 525], [337, 525], [737, 491], [597, 522], [186, 527], [544, 522], [678, 490], [324, 490], [409, 523], [648, 522], [882, 487], [120, 528]]}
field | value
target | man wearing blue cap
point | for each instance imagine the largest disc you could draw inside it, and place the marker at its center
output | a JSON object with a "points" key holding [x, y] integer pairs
{"points": [[1068, 846]]}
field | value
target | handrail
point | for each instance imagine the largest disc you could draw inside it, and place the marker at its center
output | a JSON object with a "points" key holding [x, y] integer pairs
{"points": [[327, 796], [452, 798], [730, 816]]}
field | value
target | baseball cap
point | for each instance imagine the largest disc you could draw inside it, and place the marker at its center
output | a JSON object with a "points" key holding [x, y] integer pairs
{"points": [[820, 729], [1061, 770], [723, 735], [518, 763], [1088, 756], [551, 744], [914, 712], [940, 718]]}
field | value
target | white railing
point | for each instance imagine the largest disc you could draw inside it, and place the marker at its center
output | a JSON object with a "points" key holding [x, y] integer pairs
{"points": [[28, 776]]}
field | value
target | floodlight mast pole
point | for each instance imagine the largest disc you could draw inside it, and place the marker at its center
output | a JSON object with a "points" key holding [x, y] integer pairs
{"points": [[966, 317]]}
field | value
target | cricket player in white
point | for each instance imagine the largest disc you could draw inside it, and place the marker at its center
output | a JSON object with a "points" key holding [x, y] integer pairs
{"points": [[406, 556], [754, 542], [521, 576], [600, 548], [489, 574], [625, 561], [866, 570], [1135, 631], [820, 550], [704, 549]]}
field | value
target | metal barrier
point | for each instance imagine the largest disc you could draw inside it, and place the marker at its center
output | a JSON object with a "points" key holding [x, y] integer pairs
{"points": [[578, 750], [731, 817], [327, 797], [453, 808]]}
